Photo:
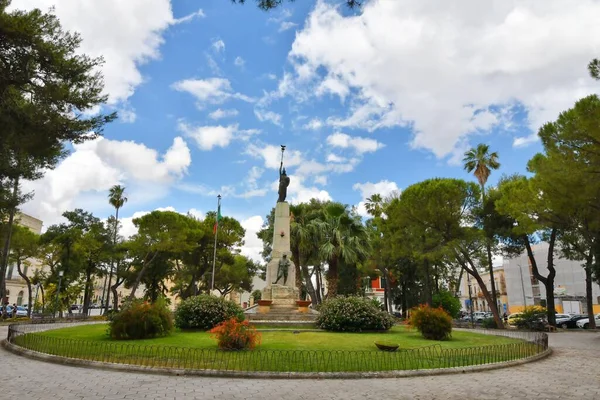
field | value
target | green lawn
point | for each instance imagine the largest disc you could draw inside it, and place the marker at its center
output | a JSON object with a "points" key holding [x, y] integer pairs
{"points": [[282, 351], [286, 340]]}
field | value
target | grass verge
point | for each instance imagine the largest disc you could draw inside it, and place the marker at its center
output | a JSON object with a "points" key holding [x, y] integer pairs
{"points": [[282, 351]]}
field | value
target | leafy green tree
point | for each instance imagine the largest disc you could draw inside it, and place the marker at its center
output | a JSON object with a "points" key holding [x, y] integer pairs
{"points": [[94, 246], [24, 246], [566, 175], [46, 87], [481, 162], [343, 239], [235, 275], [534, 216], [161, 233], [446, 300], [117, 199], [594, 68], [304, 236]]}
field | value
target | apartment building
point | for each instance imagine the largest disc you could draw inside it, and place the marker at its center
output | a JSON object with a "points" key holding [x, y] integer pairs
{"points": [[16, 288], [476, 294], [524, 289]]}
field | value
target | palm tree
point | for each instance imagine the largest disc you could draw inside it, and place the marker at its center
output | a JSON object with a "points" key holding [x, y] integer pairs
{"points": [[343, 238], [304, 239], [481, 163], [116, 199]]}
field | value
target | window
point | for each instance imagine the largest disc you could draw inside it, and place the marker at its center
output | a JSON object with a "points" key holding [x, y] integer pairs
{"points": [[20, 298]]}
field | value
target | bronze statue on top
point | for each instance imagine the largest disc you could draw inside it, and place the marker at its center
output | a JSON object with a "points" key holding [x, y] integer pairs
{"points": [[284, 180]]}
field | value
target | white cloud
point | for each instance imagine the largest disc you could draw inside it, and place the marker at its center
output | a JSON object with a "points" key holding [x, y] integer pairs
{"points": [[127, 115], [219, 113], [271, 155], [84, 177], [298, 193], [334, 158], [313, 124], [218, 46], [126, 34], [272, 76], [285, 25], [444, 71], [208, 137], [253, 246], [321, 180], [367, 189], [211, 90], [239, 62], [359, 144], [270, 116], [524, 141], [213, 65], [189, 17]]}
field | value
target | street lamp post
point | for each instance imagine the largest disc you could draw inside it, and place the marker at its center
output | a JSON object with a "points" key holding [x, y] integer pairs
{"points": [[470, 301], [60, 275], [212, 278], [37, 289]]}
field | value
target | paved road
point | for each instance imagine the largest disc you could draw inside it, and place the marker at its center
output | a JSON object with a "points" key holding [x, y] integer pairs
{"points": [[572, 372]]}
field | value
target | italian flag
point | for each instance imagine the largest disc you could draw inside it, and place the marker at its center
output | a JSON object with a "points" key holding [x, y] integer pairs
{"points": [[217, 220]]}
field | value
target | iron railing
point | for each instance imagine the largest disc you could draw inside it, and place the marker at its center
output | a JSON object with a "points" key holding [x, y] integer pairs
{"points": [[287, 361]]}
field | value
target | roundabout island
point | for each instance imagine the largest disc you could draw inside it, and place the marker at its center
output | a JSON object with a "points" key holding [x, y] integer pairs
{"points": [[291, 352]]}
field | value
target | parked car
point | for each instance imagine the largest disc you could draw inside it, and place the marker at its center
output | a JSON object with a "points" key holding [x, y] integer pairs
{"points": [[512, 318], [479, 316], [571, 322], [21, 311], [561, 316], [585, 323]]}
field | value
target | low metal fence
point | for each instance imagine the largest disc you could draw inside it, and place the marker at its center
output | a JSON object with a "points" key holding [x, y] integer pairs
{"points": [[302, 361]]}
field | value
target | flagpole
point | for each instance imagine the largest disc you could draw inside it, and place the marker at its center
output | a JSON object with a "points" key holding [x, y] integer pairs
{"points": [[212, 283]]}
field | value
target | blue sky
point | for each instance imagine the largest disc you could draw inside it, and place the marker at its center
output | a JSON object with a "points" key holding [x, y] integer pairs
{"points": [[366, 101]]}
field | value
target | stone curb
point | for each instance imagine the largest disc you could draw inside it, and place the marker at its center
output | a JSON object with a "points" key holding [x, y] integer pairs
{"points": [[266, 375]]}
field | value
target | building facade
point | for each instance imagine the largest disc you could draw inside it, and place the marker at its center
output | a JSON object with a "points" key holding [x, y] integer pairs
{"points": [[569, 284], [476, 296], [16, 288]]}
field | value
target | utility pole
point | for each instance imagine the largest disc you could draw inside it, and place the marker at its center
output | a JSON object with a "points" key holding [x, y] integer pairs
{"points": [[212, 278]]}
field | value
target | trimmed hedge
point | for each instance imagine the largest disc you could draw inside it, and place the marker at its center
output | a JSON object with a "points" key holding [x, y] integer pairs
{"points": [[352, 314], [205, 312], [433, 323], [141, 320]]}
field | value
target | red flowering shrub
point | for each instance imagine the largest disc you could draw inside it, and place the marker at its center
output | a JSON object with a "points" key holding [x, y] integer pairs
{"points": [[234, 335], [433, 323]]}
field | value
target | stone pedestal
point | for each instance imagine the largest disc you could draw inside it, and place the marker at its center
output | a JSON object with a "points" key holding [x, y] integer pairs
{"points": [[282, 293]]}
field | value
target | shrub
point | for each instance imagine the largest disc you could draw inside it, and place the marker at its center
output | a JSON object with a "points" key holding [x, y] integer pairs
{"points": [[205, 312], [446, 300], [235, 335], [256, 295], [531, 318], [353, 314], [140, 320], [433, 323], [489, 323]]}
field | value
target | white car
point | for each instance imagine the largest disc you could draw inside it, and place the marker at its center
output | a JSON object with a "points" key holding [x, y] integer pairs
{"points": [[562, 318], [585, 323]]}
